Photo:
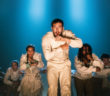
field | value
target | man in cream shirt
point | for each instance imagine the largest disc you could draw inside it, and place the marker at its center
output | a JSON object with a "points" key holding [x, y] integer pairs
{"points": [[12, 79], [55, 46]]}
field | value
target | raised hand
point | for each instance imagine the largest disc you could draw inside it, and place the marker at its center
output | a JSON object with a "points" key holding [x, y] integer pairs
{"points": [[89, 57], [59, 38]]}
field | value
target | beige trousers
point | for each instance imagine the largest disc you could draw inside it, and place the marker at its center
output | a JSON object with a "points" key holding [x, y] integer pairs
{"points": [[61, 73]]}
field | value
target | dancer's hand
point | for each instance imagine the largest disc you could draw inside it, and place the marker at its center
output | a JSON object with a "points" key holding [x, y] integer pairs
{"points": [[65, 47], [85, 60], [59, 38], [89, 57]]}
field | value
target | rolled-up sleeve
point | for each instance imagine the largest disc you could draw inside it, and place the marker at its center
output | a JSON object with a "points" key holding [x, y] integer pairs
{"points": [[75, 42]]}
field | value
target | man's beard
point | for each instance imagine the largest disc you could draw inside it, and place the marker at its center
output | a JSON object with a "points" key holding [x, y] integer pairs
{"points": [[58, 34]]}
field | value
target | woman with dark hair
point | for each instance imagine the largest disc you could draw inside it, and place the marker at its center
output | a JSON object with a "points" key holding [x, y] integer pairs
{"points": [[86, 63]]}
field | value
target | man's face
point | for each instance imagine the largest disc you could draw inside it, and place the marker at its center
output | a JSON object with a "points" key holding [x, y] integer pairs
{"points": [[14, 66], [106, 61], [30, 52], [57, 29]]}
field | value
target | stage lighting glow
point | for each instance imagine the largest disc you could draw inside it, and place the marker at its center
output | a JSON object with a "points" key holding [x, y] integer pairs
{"points": [[37, 9], [77, 9]]}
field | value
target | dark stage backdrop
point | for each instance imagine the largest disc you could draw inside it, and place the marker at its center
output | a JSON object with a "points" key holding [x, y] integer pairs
{"points": [[24, 22]]}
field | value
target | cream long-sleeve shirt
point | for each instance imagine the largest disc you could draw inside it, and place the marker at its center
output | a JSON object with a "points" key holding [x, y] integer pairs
{"points": [[104, 74], [86, 72], [51, 48], [36, 56], [11, 75]]}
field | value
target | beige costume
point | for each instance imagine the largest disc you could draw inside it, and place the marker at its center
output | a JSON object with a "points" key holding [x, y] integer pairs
{"points": [[11, 76], [104, 74], [86, 72], [58, 63], [12, 79], [31, 84]]}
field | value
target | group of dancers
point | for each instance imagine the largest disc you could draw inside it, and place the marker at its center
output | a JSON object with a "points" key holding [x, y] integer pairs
{"points": [[55, 45]]}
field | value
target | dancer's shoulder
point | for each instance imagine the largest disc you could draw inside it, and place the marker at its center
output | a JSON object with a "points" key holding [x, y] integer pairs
{"points": [[48, 35]]}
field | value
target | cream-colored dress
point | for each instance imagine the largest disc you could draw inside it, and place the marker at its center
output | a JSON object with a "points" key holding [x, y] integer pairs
{"points": [[31, 84]]}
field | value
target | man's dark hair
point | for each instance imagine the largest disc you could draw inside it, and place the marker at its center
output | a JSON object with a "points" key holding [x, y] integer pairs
{"points": [[14, 61], [105, 56], [80, 52], [30, 46], [57, 21]]}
